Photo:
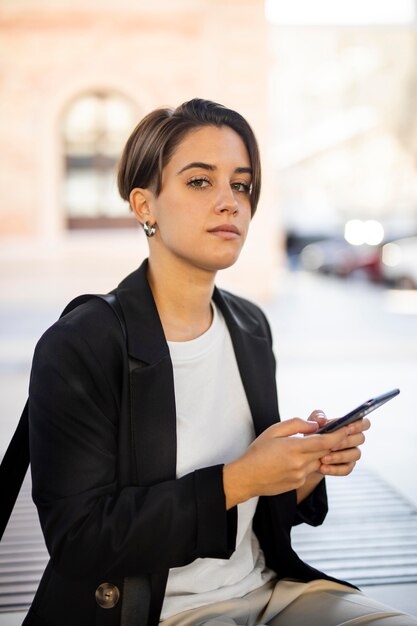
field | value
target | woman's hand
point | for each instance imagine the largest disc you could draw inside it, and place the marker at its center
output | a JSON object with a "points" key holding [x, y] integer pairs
{"points": [[341, 460], [279, 461]]}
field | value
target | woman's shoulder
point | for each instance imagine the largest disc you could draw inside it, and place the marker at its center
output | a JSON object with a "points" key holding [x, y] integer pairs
{"points": [[89, 324], [241, 302], [82, 355], [245, 311]]}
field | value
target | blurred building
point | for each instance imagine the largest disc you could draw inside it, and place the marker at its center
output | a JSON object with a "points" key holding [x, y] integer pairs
{"points": [[77, 75], [331, 101]]}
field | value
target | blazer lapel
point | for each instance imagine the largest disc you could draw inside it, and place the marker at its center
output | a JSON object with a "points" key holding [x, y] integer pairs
{"points": [[145, 336], [153, 411], [255, 360]]}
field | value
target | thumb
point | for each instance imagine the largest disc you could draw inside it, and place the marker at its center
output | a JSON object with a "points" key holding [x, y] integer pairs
{"points": [[319, 417], [294, 426]]}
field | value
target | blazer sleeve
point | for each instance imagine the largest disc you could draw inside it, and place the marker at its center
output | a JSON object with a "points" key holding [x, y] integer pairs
{"points": [[314, 508], [90, 524]]}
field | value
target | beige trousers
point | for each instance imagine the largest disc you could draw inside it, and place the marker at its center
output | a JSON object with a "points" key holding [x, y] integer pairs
{"points": [[289, 603]]}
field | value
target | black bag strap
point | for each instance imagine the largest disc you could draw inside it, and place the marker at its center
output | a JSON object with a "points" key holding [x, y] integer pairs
{"points": [[13, 468], [16, 460]]}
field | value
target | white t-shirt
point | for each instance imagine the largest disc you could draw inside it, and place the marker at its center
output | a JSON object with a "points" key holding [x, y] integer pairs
{"points": [[214, 425]]}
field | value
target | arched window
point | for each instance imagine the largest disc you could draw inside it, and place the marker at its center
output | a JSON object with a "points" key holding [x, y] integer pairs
{"points": [[94, 130]]}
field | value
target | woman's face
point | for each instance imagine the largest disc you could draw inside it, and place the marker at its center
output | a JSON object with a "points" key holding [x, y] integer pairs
{"points": [[203, 210]]}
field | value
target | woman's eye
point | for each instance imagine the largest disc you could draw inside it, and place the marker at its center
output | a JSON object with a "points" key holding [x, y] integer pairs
{"points": [[241, 187], [198, 183]]}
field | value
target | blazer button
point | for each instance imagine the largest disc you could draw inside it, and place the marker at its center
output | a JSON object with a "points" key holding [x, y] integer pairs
{"points": [[107, 595]]}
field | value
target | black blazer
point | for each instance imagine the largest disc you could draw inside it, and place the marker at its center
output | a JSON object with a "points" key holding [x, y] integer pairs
{"points": [[103, 459]]}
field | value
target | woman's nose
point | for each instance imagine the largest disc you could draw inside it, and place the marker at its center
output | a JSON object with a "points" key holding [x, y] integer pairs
{"points": [[226, 201]]}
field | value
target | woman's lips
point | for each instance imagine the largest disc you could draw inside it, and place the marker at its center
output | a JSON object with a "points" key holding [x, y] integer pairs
{"points": [[226, 231]]}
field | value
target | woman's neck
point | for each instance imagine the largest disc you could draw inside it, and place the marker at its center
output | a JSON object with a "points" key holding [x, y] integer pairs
{"points": [[182, 295]]}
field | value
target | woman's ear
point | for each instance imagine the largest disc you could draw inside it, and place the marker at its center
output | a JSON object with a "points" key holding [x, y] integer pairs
{"points": [[140, 202]]}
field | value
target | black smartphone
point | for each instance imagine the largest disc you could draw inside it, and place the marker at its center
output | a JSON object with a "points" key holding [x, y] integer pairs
{"points": [[359, 412]]}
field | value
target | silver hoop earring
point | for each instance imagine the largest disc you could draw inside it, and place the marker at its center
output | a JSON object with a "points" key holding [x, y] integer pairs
{"points": [[150, 229]]}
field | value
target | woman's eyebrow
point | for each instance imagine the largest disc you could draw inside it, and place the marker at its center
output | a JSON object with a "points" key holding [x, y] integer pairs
{"points": [[199, 164], [211, 168]]}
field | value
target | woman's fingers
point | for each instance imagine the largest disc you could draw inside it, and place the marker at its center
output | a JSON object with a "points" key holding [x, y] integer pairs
{"points": [[293, 426], [353, 441], [318, 416], [343, 456], [340, 463], [337, 470], [359, 426]]}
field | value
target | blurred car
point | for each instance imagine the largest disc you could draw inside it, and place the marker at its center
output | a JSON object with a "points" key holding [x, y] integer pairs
{"points": [[340, 258], [399, 263]]}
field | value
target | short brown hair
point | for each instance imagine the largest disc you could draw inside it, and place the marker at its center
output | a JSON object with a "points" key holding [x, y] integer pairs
{"points": [[153, 141]]}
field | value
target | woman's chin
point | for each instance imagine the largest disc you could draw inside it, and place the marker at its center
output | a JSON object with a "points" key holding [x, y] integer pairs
{"points": [[221, 261]]}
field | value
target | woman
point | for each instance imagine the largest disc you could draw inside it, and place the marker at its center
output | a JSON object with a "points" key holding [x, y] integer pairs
{"points": [[165, 484]]}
